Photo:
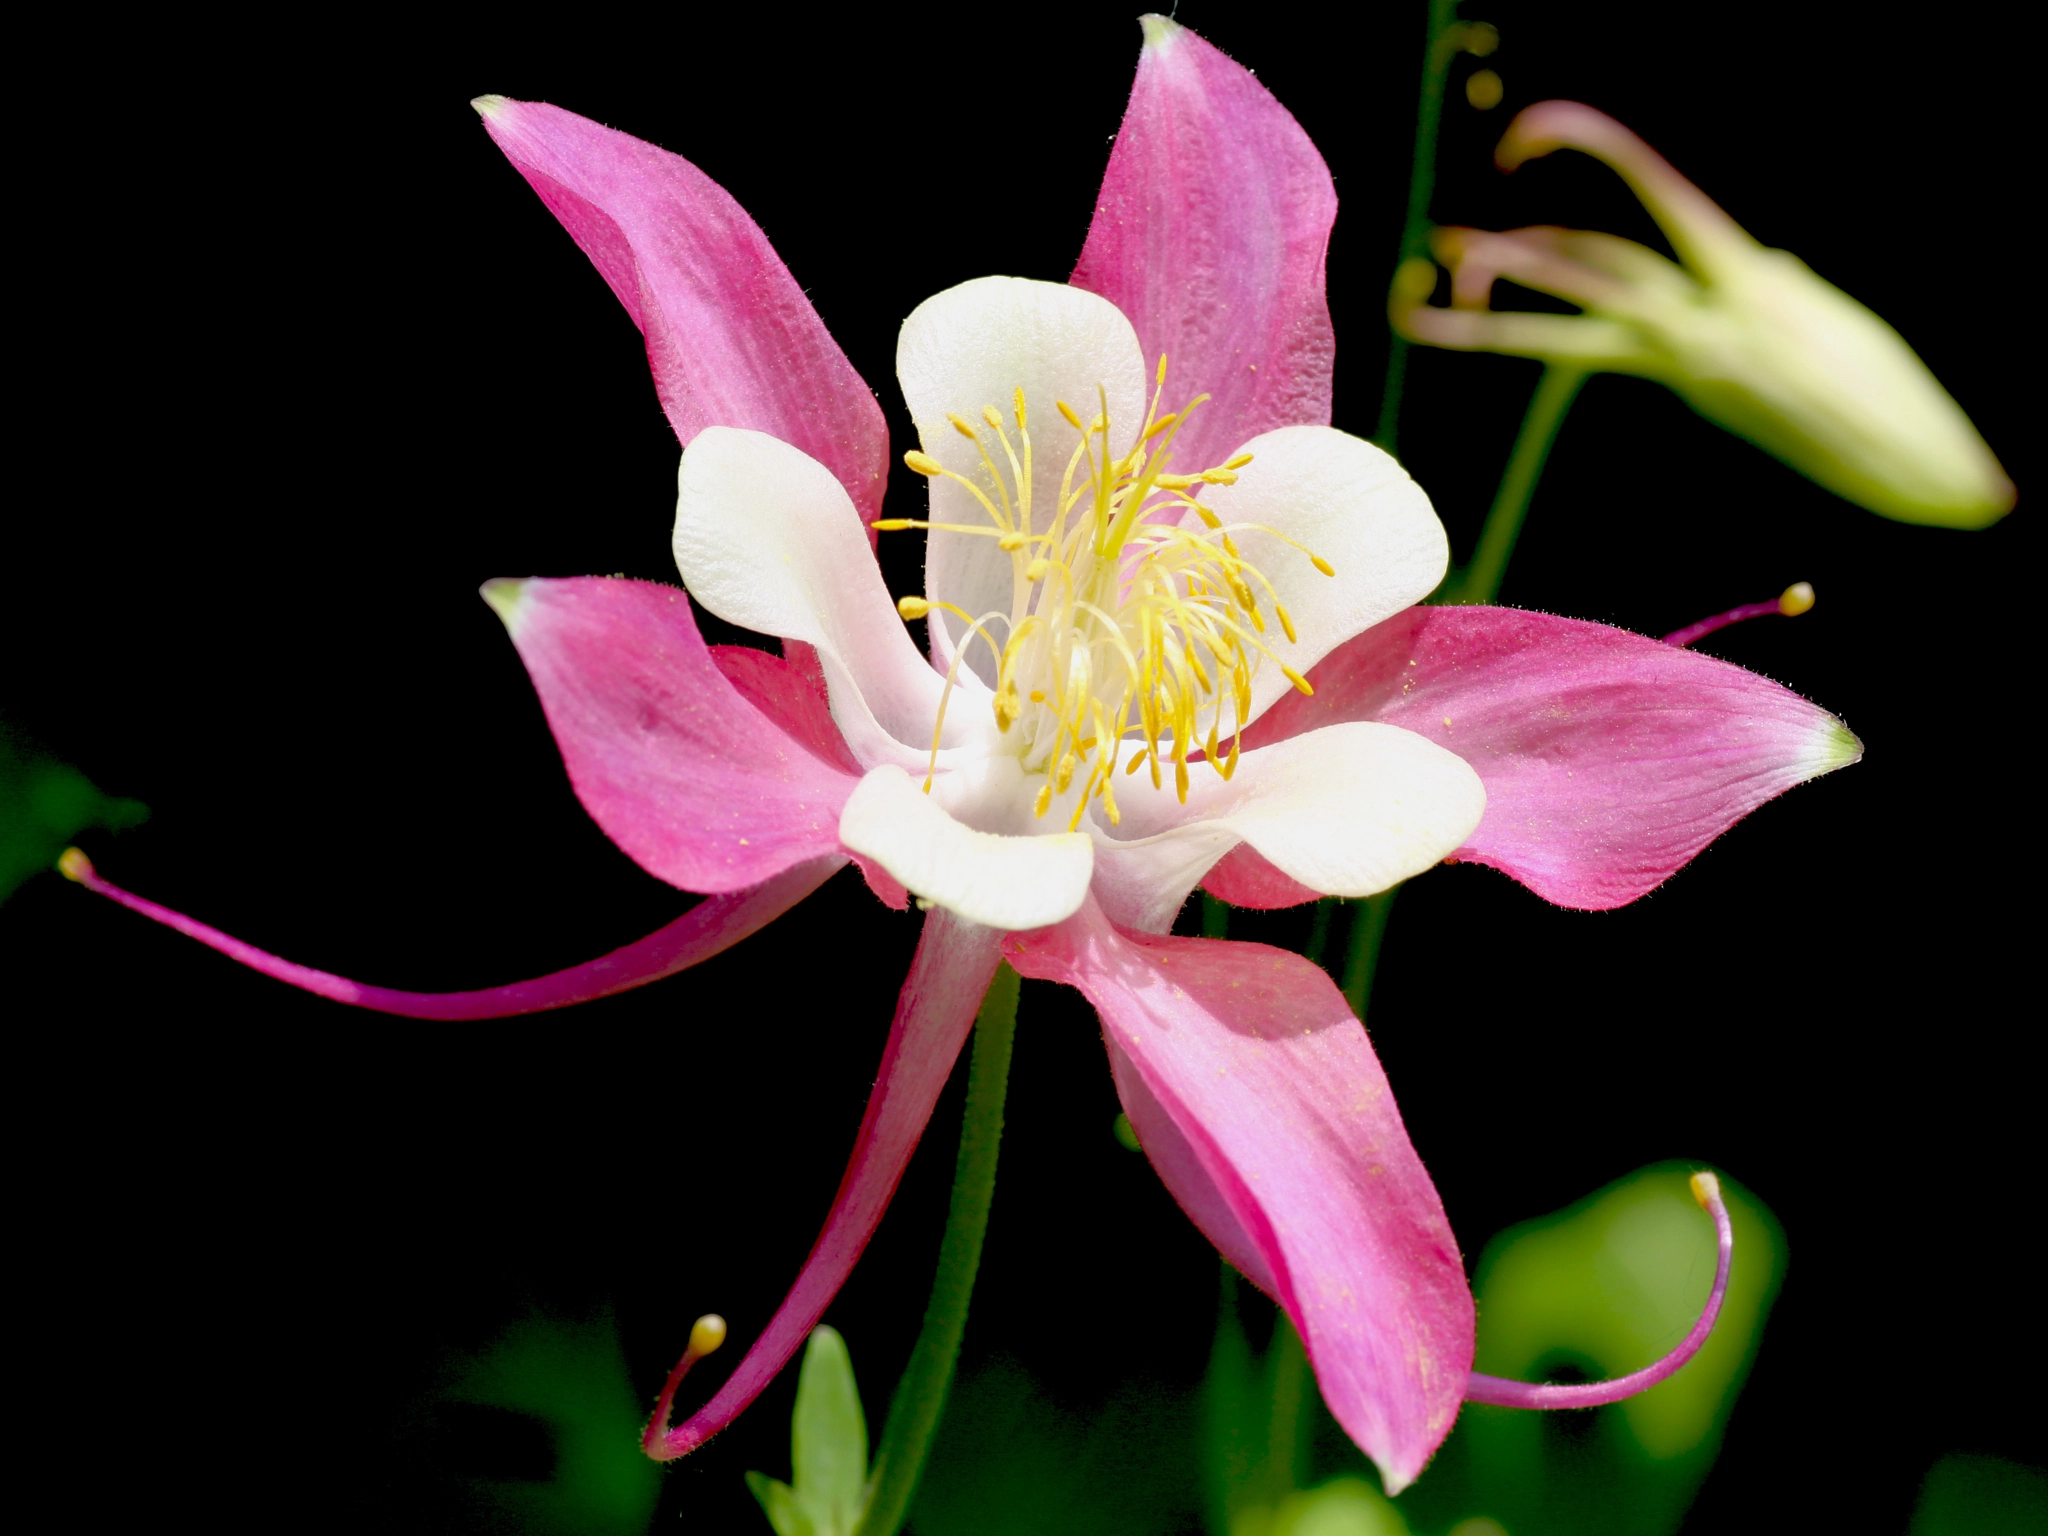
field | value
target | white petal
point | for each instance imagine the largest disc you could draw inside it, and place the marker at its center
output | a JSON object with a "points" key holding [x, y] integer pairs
{"points": [[1350, 503], [767, 539], [974, 346], [1347, 810], [997, 881]]}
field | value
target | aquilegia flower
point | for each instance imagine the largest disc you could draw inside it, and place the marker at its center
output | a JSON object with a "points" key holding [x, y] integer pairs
{"points": [[1172, 642], [1750, 337]]}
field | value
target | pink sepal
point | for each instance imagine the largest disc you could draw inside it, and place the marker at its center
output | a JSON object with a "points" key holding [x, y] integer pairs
{"points": [[955, 962], [1209, 233], [1261, 1104], [714, 924], [892, 892], [1609, 759], [687, 775], [790, 690], [731, 338]]}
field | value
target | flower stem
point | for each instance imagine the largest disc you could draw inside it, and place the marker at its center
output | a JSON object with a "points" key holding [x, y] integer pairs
{"points": [[1362, 947], [921, 1393], [1438, 51], [1480, 581]]}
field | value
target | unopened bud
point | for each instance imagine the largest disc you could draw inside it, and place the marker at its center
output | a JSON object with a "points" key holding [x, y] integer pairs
{"points": [[1414, 280]]}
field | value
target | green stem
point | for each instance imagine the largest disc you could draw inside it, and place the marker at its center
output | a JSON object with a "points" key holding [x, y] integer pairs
{"points": [[1215, 918], [1438, 50], [1362, 947], [1287, 1396], [1555, 391], [921, 1394]]}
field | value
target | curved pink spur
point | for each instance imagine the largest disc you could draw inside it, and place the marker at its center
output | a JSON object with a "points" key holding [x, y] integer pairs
{"points": [[715, 924], [1504, 1393]]}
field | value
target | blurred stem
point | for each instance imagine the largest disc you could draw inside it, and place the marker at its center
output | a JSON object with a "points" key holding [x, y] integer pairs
{"points": [[1287, 1396], [1480, 581], [1362, 946], [1215, 918], [921, 1394], [1438, 50], [1319, 931]]}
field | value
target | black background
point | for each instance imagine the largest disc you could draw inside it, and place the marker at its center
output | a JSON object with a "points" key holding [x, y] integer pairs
{"points": [[303, 361]]}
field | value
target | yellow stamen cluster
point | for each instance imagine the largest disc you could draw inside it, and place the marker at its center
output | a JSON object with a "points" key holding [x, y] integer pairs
{"points": [[1125, 629]]}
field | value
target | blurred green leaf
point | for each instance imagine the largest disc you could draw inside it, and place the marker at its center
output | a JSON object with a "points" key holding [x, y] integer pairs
{"points": [[1345, 1506], [1977, 1495], [828, 1448], [44, 804], [571, 1376], [1013, 1460]]}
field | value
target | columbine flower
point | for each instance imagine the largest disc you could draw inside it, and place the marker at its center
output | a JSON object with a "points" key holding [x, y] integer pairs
{"points": [[1750, 337], [1172, 642]]}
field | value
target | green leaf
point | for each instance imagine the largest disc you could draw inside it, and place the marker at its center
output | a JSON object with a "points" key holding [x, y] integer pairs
{"points": [[828, 1437], [779, 1504], [828, 1447]]}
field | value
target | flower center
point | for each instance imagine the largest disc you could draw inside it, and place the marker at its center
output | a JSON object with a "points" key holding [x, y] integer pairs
{"points": [[1129, 638]]}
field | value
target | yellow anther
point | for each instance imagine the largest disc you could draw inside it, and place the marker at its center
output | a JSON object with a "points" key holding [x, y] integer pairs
{"points": [[1013, 540], [706, 1334], [1238, 461], [1795, 600], [72, 864], [1484, 90], [1286, 623], [1231, 545], [913, 607], [1067, 411], [1160, 377], [1017, 403], [1209, 519], [1220, 476], [1065, 773], [988, 414], [1180, 775], [1176, 482], [963, 428], [924, 463], [1037, 697], [1296, 678], [892, 524], [1322, 565], [1036, 570], [1160, 426], [1044, 802], [1135, 763], [1707, 1190]]}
